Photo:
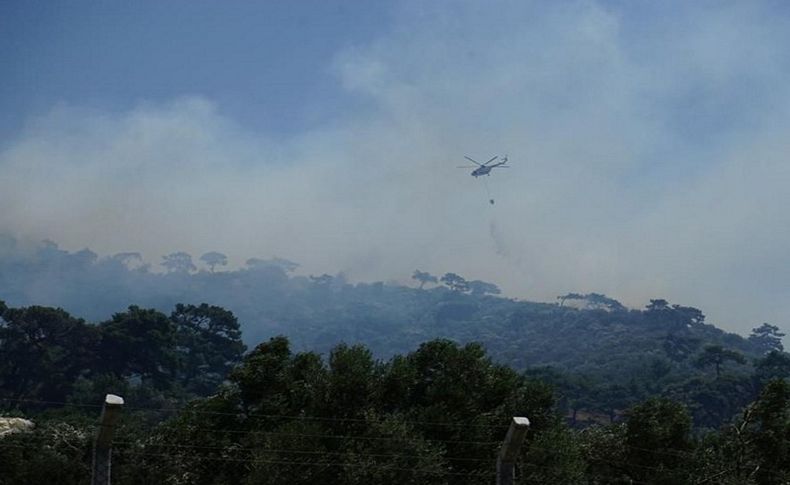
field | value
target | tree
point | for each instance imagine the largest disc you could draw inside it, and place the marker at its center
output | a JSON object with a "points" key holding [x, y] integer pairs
{"points": [[263, 378], [455, 282], [52, 452], [680, 348], [767, 338], [209, 345], [717, 355], [771, 435], [286, 265], [213, 259], [129, 260], [758, 445], [775, 365], [612, 399], [426, 418], [351, 382], [712, 402], [658, 305], [690, 315], [480, 288], [594, 301], [139, 342], [658, 442], [603, 302], [179, 262], [569, 296], [424, 277], [42, 352]]}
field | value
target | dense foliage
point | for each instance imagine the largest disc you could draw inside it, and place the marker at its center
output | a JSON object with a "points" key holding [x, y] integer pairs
{"points": [[588, 334], [48, 355], [371, 382], [200, 411]]}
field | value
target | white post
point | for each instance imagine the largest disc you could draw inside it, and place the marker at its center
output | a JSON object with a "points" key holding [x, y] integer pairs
{"points": [[102, 447], [506, 461]]}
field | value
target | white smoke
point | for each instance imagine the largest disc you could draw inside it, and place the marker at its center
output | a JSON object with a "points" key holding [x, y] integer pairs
{"points": [[647, 164]]}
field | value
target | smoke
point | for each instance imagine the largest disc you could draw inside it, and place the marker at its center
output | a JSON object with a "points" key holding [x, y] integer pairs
{"points": [[499, 242], [647, 161]]}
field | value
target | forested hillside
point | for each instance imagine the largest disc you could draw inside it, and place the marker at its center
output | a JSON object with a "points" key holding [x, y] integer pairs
{"points": [[199, 410], [587, 334], [601, 356]]}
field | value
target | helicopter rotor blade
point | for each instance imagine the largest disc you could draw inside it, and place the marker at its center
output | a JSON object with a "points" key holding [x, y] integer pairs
{"points": [[495, 157], [473, 160]]}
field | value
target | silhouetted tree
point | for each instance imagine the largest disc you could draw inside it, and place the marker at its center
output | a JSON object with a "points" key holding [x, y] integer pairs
{"points": [[213, 259], [602, 302], [480, 288], [689, 315], [179, 262], [286, 265], [717, 355], [594, 301], [570, 296], [424, 277], [657, 305], [129, 260], [455, 282], [767, 337]]}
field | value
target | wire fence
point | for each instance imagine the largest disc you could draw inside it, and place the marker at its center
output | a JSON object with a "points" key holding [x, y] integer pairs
{"points": [[301, 417], [151, 444]]}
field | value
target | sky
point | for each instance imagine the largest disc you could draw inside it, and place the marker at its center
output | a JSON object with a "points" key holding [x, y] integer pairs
{"points": [[648, 141]]}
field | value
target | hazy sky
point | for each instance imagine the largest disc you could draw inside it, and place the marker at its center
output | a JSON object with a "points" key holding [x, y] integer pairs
{"points": [[649, 141]]}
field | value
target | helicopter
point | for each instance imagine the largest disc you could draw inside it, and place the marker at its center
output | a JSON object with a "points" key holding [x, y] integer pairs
{"points": [[484, 168]]}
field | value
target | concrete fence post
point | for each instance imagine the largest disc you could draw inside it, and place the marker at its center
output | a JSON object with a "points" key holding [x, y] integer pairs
{"points": [[102, 447], [506, 461]]}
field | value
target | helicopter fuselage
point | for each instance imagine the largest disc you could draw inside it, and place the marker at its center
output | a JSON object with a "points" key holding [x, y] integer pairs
{"points": [[484, 170]]}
